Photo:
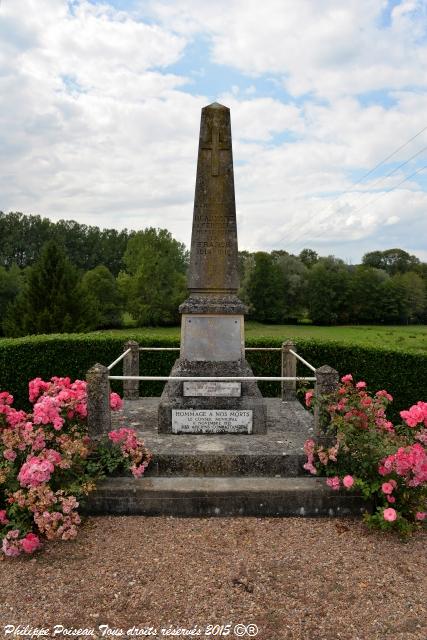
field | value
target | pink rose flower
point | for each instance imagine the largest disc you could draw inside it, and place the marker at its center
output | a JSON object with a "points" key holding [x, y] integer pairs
{"points": [[9, 454], [3, 517], [309, 398], [420, 515], [383, 394], [361, 385], [35, 471], [6, 398], [115, 401], [391, 499], [348, 481], [137, 471], [387, 487], [30, 543], [334, 483], [309, 446], [390, 514], [416, 414], [309, 466], [347, 378]]}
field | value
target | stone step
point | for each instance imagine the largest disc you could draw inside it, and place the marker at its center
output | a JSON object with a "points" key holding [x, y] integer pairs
{"points": [[225, 496], [223, 463]]}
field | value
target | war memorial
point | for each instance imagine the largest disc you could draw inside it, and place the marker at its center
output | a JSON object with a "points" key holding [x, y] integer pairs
{"points": [[219, 447]]}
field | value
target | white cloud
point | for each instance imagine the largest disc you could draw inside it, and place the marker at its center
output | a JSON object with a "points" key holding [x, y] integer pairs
{"points": [[329, 48], [95, 127]]}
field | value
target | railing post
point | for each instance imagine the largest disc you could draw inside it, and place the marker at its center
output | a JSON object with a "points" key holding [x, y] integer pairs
{"points": [[289, 369], [131, 368], [327, 380], [98, 401]]}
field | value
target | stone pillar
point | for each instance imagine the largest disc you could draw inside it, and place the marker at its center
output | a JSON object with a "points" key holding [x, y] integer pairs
{"points": [[326, 383], [289, 369], [131, 368], [98, 401]]}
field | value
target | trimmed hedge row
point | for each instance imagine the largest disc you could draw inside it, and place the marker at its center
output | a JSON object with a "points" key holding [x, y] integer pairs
{"points": [[403, 375]]}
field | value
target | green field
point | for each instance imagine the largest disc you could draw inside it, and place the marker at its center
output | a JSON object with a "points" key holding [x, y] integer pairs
{"points": [[411, 338]]}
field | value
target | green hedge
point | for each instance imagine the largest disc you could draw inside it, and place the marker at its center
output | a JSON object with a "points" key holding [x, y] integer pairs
{"points": [[403, 375]]}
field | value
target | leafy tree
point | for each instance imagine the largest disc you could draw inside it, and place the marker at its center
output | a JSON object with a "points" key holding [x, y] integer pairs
{"points": [[308, 257], [394, 301], [414, 296], [11, 282], [23, 236], [246, 265], [154, 282], [52, 301], [392, 260], [265, 289], [328, 291], [295, 280], [100, 284], [367, 295]]}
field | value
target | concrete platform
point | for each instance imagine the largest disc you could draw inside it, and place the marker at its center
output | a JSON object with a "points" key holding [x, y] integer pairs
{"points": [[279, 452], [223, 475]]}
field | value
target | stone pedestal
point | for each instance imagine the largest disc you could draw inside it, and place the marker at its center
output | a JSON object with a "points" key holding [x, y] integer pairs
{"points": [[212, 326], [212, 407]]}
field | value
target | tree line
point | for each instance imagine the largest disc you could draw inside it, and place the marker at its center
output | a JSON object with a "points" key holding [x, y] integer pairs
{"points": [[67, 277], [388, 287]]}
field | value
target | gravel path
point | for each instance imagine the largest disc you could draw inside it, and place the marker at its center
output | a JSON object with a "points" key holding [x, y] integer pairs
{"points": [[299, 579]]}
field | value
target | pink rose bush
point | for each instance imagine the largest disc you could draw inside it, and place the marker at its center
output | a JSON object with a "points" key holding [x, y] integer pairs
{"points": [[131, 448], [364, 451], [48, 463]]}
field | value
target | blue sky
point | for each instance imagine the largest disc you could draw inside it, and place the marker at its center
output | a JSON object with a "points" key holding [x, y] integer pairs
{"points": [[100, 108]]}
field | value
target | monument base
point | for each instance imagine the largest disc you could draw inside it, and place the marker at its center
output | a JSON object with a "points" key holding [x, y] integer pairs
{"points": [[212, 407]]}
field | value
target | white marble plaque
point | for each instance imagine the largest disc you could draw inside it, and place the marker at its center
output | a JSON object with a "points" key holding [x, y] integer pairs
{"points": [[213, 389], [212, 338], [211, 421]]}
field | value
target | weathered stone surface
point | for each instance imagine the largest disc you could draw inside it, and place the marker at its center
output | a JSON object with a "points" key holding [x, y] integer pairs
{"points": [[213, 303], [213, 389], [222, 497], [98, 401], [289, 369], [214, 338], [278, 451], [212, 328], [213, 261], [327, 380], [211, 421], [173, 397], [131, 368]]}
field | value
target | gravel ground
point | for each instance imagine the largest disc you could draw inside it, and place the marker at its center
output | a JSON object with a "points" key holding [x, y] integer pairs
{"points": [[299, 579]]}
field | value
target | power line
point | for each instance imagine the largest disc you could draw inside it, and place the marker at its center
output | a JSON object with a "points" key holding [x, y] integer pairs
{"points": [[327, 208], [387, 175], [381, 195], [373, 185]]}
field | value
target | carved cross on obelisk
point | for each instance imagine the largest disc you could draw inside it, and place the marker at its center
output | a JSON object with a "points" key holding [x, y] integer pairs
{"points": [[215, 145]]}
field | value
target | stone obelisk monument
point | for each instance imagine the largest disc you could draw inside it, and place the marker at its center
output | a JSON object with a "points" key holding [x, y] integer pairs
{"points": [[212, 327]]}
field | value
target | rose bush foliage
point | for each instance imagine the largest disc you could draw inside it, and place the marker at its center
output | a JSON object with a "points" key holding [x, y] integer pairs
{"points": [[48, 463], [387, 464]]}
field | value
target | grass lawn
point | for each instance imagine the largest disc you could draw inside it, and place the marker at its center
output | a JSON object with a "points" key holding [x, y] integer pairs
{"points": [[411, 339]]}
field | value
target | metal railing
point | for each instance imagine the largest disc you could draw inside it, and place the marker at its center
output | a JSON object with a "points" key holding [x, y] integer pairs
{"points": [[288, 377], [98, 380]]}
